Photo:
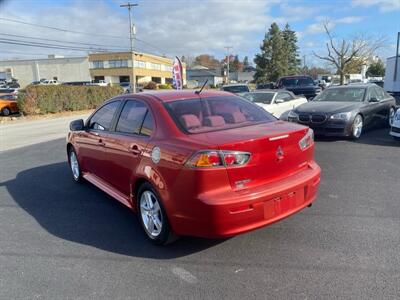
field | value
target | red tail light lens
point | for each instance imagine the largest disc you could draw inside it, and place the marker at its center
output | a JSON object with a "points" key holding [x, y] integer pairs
{"points": [[307, 140], [215, 158]]}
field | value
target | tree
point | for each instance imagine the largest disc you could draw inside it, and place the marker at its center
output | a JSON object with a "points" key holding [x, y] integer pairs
{"points": [[270, 63], [291, 51], [246, 64], [376, 69], [342, 53], [236, 65], [207, 61]]}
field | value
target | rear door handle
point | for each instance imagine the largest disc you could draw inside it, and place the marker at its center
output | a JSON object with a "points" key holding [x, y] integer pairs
{"points": [[135, 150]]}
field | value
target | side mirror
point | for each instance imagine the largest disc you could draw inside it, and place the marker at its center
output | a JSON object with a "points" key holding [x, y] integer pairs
{"points": [[77, 125], [373, 99], [277, 101]]}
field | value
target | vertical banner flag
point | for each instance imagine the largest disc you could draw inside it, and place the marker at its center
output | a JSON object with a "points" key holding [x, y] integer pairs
{"points": [[177, 80]]}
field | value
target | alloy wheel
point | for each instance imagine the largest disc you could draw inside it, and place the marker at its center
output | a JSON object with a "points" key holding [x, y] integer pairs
{"points": [[6, 111], [357, 126], [151, 214], [74, 165]]}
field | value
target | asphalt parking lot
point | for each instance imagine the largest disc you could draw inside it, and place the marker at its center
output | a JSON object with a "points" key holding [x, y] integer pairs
{"points": [[61, 240]]}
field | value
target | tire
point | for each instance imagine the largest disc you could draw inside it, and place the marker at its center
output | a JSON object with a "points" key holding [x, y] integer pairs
{"points": [[392, 112], [74, 165], [357, 127], [5, 111], [151, 212]]}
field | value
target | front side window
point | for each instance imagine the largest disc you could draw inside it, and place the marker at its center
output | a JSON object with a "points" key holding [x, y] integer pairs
{"points": [[135, 119], [216, 113], [102, 119]]}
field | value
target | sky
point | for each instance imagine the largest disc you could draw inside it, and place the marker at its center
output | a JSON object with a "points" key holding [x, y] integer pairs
{"points": [[178, 27]]}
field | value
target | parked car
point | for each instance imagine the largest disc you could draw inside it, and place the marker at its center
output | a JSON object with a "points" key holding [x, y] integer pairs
{"points": [[299, 85], [265, 86], [238, 89], [276, 102], [346, 110], [209, 165], [395, 125], [51, 82], [6, 91], [126, 86], [8, 104]]}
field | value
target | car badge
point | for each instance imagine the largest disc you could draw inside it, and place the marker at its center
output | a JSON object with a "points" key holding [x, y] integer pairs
{"points": [[279, 153]]}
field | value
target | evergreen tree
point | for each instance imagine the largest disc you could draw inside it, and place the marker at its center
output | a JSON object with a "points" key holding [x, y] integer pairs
{"points": [[376, 69], [235, 64], [246, 64], [291, 51], [271, 63]]}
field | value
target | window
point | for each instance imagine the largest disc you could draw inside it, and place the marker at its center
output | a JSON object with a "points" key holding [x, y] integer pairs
{"points": [[102, 119], [135, 119], [156, 79], [264, 98], [284, 96], [140, 64], [154, 66], [380, 93], [118, 63], [342, 94], [216, 113], [97, 64]]}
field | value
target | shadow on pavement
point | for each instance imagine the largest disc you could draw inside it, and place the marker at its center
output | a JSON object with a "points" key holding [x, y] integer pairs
{"points": [[378, 137], [83, 214]]}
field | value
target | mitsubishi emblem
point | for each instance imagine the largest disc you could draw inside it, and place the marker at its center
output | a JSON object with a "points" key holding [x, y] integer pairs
{"points": [[279, 153]]}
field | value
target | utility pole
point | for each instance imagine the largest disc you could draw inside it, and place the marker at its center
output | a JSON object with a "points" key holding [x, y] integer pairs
{"points": [[132, 32], [227, 53], [396, 61]]}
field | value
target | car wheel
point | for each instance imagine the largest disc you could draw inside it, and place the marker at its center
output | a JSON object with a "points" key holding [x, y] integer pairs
{"points": [[5, 111], [357, 127], [153, 217], [392, 112], [74, 165]]}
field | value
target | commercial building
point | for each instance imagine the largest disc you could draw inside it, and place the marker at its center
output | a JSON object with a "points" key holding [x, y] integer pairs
{"points": [[53, 67], [116, 67], [201, 74]]}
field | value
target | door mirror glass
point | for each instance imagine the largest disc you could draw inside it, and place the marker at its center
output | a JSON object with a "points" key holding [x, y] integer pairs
{"points": [[77, 125]]}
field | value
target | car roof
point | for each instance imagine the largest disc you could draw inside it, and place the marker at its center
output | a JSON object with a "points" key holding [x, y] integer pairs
{"points": [[174, 95], [269, 91]]}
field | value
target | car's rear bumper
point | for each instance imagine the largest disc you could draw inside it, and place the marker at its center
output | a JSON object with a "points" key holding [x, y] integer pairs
{"points": [[238, 212]]}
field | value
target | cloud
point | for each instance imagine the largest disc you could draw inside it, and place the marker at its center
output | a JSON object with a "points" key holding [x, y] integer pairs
{"points": [[384, 5], [318, 27], [350, 20]]}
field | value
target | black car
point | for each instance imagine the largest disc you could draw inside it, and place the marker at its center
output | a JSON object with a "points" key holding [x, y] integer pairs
{"points": [[346, 110], [299, 85]]}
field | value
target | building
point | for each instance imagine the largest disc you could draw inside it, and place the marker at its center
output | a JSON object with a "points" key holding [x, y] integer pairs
{"points": [[116, 67], [242, 76], [200, 74], [53, 67]]}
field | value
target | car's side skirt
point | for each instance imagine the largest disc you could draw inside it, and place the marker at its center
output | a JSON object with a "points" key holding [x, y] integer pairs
{"points": [[107, 188]]}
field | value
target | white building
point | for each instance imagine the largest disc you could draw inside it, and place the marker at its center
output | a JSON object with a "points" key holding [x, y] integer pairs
{"points": [[60, 68]]}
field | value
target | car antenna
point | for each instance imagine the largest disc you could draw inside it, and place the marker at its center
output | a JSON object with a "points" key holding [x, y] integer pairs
{"points": [[198, 92]]}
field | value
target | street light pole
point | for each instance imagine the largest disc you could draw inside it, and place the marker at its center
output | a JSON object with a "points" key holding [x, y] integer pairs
{"points": [[132, 32], [227, 75]]}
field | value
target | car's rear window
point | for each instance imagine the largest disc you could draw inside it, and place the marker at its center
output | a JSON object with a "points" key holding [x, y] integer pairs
{"points": [[216, 113]]}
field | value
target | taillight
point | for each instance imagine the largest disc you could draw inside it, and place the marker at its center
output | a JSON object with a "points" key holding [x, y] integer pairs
{"points": [[307, 140], [216, 158]]}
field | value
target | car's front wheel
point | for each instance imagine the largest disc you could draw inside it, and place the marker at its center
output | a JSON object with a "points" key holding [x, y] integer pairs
{"points": [[74, 165], [357, 127], [5, 111], [153, 217]]}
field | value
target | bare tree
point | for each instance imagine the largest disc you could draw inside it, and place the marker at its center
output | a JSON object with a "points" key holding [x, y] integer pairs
{"points": [[342, 53]]}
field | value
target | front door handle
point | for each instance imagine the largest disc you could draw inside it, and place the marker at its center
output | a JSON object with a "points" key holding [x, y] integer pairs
{"points": [[135, 150]]}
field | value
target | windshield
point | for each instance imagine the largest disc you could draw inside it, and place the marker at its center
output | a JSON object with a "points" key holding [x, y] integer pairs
{"points": [[216, 113], [236, 88], [300, 81], [264, 98], [342, 95]]}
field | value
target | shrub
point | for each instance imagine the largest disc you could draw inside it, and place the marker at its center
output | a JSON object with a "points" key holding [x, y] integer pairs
{"points": [[165, 86], [41, 99], [151, 85]]}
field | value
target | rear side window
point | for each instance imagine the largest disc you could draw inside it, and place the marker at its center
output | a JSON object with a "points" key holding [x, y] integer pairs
{"points": [[135, 119], [102, 119], [216, 113]]}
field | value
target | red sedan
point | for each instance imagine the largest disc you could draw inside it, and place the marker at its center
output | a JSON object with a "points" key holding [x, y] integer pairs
{"points": [[208, 165]]}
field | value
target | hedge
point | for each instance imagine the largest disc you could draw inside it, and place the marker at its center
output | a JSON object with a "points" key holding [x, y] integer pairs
{"points": [[40, 99]]}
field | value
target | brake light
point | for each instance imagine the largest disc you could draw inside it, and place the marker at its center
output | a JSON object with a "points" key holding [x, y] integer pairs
{"points": [[216, 158], [307, 140]]}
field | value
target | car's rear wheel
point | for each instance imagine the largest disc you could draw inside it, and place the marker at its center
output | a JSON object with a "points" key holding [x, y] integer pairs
{"points": [[357, 127], [74, 165], [5, 111], [153, 217]]}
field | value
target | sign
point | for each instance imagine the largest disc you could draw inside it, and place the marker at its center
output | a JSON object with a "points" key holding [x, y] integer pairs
{"points": [[177, 77]]}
